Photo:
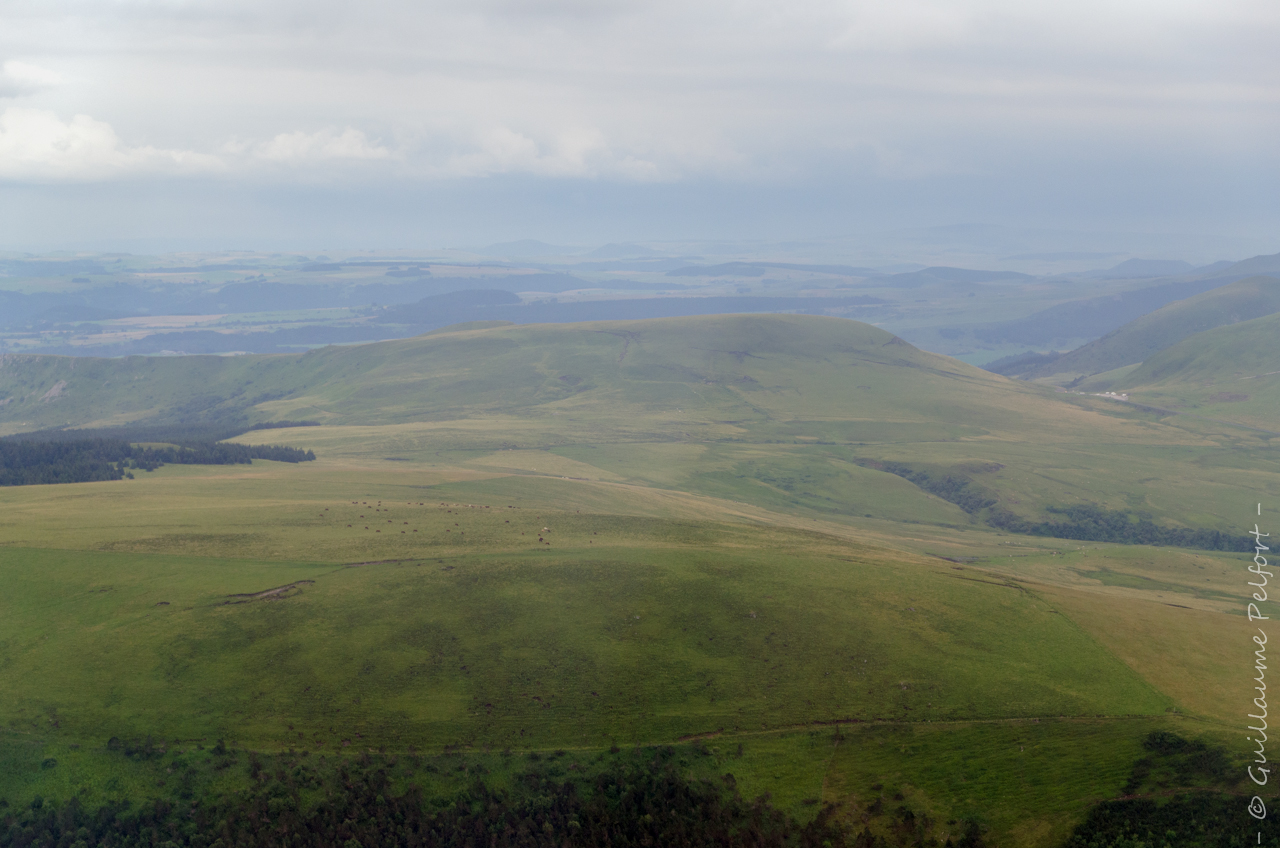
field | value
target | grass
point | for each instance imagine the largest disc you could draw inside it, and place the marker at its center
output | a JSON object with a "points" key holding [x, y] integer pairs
{"points": [[686, 630], [993, 773], [1144, 337], [1226, 373], [675, 541], [1026, 782], [375, 655], [774, 408]]}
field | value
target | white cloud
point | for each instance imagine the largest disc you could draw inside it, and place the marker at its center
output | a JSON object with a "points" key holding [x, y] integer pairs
{"points": [[323, 146], [38, 145], [19, 78], [575, 152]]}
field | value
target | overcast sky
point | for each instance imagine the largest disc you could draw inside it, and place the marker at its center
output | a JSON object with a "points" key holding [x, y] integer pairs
{"points": [[273, 123]]}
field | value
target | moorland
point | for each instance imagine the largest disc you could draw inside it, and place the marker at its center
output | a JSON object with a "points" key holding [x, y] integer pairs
{"points": [[790, 555]]}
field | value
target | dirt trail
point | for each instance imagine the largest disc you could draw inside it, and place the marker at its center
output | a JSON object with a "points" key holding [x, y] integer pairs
{"points": [[269, 593]]}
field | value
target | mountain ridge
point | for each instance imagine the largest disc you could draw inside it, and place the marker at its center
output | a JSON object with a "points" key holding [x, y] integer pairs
{"points": [[1155, 331]]}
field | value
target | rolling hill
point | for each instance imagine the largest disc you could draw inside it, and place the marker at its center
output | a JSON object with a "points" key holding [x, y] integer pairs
{"points": [[1268, 264], [787, 412], [762, 540], [1240, 351], [748, 370], [1227, 373], [1155, 331], [1098, 316]]}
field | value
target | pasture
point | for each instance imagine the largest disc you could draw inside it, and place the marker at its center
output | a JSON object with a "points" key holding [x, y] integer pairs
{"points": [[485, 559]]}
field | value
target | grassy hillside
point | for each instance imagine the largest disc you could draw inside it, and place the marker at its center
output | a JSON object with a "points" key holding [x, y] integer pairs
{"points": [[1140, 339], [1228, 373], [576, 645], [532, 612], [776, 411], [1243, 351], [742, 369], [544, 537]]}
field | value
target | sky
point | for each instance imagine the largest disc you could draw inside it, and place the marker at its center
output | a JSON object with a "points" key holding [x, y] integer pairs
{"points": [[277, 124]]}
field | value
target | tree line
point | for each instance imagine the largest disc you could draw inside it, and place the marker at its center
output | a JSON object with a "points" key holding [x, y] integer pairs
{"points": [[25, 463], [293, 801], [1092, 523], [1215, 815], [624, 807], [1083, 522]]}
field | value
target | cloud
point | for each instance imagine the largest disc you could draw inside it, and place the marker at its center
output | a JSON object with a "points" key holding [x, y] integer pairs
{"points": [[37, 145], [323, 146], [660, 89], [1030, 101], [574, 152], [18, 79]]}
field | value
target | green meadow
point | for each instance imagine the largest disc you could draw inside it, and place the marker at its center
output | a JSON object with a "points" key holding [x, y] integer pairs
{"points": [[518, 540], [590, 647]]}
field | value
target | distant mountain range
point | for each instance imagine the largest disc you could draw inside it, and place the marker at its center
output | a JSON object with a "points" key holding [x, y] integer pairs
{"points": [[1135, 268]]}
